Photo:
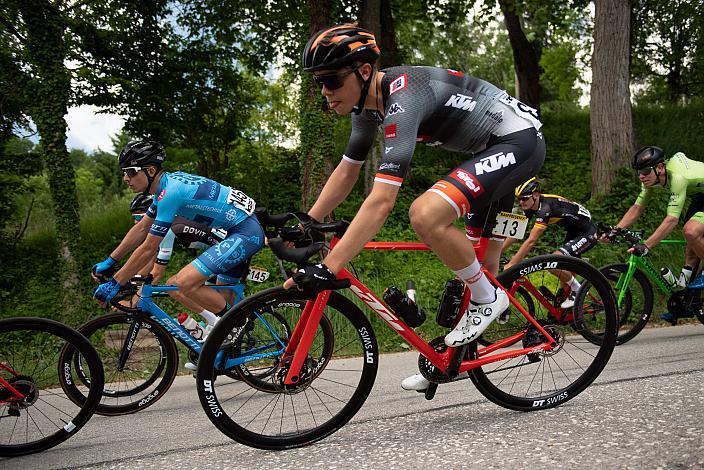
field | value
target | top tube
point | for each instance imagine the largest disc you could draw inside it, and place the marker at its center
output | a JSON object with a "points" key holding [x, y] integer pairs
{"points": [[673, 242]]}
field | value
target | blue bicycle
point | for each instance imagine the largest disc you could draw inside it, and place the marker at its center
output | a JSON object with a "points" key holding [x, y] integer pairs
{"points": [[138, 350]]}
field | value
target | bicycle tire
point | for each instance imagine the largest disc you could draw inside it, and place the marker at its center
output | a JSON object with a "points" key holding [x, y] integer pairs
{"points": [[344, 379], [30, 348], [631, 323], [501, 382], [148, 373]]}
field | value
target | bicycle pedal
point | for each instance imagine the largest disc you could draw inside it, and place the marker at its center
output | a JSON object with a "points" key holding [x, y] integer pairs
{"points": [[13, 410], [430, 391], [533, 357], [504, 317]]}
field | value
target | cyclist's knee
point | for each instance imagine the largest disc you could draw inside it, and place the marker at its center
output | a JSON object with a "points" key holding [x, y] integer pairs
{"points": [[693, 230], [427, 216]]}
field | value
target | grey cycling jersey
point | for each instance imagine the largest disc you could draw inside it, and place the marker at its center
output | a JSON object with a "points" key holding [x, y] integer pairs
{"points": [[438, 107]]}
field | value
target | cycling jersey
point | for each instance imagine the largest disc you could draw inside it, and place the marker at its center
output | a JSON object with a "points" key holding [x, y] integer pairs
{"points": [[575, 218], [189, 234], [684, 176], [198, 199], [441, 108]]}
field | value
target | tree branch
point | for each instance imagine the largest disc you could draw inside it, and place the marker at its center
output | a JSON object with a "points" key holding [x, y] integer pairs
{"points": [[12, 29]]}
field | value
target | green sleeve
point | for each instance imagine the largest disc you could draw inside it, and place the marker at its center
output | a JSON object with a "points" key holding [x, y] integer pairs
{"points": [[644, 196]]}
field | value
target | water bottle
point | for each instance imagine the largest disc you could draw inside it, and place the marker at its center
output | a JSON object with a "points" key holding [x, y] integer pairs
{"points": [[192, 326], [450, 303], [685, 276], [404, 307], [668, 276]]}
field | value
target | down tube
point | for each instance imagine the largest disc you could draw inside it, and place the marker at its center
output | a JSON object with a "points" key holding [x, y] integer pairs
{"points": [[368, 297]]}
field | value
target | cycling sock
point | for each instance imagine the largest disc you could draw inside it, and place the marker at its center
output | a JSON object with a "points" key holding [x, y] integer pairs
{"points": [[482, 290], [574, 284], [209, 316]]}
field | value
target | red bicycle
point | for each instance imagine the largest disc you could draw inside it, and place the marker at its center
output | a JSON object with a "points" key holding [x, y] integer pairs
{"points": [[323, 371]]}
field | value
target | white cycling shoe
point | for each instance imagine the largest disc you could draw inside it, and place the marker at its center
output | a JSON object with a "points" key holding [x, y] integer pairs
{"points": [[415, 382], [476, 319], [569, 301]]}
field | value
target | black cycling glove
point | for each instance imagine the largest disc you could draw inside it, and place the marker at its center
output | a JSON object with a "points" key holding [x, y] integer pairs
{"points": [[315, 278], [641, 249]]}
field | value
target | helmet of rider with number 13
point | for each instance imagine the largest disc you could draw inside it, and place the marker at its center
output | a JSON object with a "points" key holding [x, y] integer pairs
{"points": [[528, 188], [345, 46]]}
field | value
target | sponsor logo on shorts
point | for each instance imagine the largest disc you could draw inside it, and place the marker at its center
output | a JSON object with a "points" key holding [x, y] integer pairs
{"points": [[494, 162], [469, 180]]}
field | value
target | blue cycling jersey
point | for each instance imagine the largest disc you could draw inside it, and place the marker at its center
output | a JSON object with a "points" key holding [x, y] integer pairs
{"points": [[198, 199]]}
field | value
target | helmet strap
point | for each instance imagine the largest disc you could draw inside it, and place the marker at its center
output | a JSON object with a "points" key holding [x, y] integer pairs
{"points": [[151, 179], [365, 90]]}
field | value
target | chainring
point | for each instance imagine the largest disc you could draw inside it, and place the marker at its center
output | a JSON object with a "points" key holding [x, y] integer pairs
{"points": [[676, 305], [428, 370]]}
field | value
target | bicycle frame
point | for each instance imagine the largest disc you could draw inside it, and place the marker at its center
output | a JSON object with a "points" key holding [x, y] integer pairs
{"points": [[15, 395], [304, 331], [646, 266]]}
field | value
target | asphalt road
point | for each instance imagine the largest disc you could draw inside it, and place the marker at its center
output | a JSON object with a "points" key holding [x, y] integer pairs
{"points": [[646, 410]]}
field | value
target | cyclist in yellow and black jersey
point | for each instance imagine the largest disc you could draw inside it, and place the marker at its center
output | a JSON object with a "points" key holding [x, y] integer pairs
{"points": [[551, 209]]}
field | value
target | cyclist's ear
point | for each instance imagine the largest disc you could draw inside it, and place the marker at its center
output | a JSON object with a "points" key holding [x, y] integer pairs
{"points": [[365, 70]]}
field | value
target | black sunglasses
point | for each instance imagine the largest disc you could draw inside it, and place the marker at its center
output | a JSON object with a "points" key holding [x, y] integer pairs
{"points": [[525, 198], [646, 171], [332, 81], [131, 171]]}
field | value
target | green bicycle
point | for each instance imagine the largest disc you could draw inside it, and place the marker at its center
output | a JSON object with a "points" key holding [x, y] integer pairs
{"points": [[633, 285]]}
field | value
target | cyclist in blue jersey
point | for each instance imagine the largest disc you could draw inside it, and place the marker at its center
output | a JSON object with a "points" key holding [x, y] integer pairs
{"points": [[194, 198], [496, 138]]}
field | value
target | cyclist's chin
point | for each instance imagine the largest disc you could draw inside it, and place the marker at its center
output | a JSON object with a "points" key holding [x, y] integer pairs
{"points": [[340, 107]]}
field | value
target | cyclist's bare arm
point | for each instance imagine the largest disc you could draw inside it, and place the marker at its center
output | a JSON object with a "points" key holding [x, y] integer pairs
{"points": [[508, 242], [631, 215], [336, 189], [143, 254], [365, 225], [535, 233], [133, 238], [667, 225]]}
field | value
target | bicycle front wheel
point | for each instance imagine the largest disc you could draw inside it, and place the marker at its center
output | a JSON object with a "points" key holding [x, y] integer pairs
{"points": [[259, 410], [545, 378], [35, 413], [148, 371], [637, 304]]}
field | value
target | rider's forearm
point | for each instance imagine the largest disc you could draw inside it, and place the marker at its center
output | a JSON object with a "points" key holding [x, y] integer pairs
{"points": [[631, 216], [667, 225], [366, 224], [142, 255], [336, 189], [523, 251], [132, 239]]}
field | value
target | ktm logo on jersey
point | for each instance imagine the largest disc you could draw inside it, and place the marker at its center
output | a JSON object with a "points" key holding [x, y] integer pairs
{"points": [[463, 102], [494, 162]]}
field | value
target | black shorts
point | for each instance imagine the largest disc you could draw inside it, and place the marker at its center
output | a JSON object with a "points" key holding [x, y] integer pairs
{"points": [[484, 184], [696, 204], [578, 243]]}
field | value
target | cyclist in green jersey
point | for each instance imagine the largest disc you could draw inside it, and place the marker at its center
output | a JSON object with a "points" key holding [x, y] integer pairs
{"points": [[682, 177]]}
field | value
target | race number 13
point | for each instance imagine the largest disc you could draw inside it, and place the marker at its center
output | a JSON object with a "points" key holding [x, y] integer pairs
{"points": [[511, 225]]}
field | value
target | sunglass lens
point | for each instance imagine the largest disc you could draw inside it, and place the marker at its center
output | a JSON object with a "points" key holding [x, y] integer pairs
{"points": [[645, 171], [331, 82], [130, 172]]}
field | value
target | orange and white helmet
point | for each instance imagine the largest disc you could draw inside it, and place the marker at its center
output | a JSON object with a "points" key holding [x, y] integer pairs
{"points": [[336, 47]]}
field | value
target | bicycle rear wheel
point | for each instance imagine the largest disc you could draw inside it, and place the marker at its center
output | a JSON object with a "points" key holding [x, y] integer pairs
{"points": [[148, 372], [637, 304], [29, 362], [543, 379], [336, 377]]}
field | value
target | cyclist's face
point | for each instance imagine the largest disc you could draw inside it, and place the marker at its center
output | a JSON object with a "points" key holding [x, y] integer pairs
{"points": [[341, 88], [138, 182], [652, 178], [528, 202]]}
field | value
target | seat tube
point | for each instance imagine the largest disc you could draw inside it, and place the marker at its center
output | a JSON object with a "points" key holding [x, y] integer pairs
{"points": [[303, 335]]}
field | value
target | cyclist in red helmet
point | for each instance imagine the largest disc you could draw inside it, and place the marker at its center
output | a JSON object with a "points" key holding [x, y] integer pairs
{"points": [[496, 139]]}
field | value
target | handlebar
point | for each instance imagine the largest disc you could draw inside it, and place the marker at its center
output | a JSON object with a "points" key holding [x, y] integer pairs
{"points": [[616, 234]]}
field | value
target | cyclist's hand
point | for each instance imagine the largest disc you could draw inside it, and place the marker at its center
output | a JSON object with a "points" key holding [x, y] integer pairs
{"points": [[102, 267], [640, 249], [312, 278], [106, 291]]}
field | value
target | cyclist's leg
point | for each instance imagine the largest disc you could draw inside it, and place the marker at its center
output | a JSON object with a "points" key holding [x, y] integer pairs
{"points": [[478, 228], [489, 176], [694, 234], [241, 243], [575, 245]]}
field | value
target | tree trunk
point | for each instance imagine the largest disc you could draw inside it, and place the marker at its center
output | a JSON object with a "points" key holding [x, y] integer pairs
{"points": [[316, 122], [525, 57], [611, 119], [51, 88]]}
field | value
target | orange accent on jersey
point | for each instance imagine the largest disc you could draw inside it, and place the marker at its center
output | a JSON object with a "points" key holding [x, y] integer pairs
{"points": [[454, 194], [382, 176]]}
